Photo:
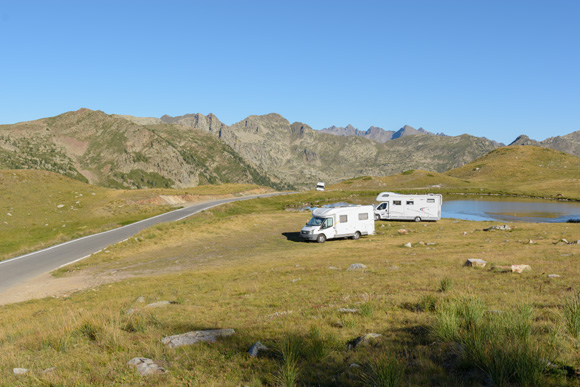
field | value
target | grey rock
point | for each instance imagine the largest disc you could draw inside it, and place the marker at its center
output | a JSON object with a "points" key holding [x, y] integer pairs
{"points": [[158, 304], [357, 266], [256, 348], [140, 299], [146, 366], [193, 337], [354, 365], [363, 340], [520, 268], [472, 262], [333, 268], [505, 227], [408, 244], [554, 275], [20, 371]]}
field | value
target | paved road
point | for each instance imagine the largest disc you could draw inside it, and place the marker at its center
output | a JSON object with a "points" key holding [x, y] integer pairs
{"points": [[17, 270]]}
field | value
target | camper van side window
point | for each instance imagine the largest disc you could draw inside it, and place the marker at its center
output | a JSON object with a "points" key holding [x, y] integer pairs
{"points": [[396, 202], [343, 218], [327, 223], [363, 216], [410, 202], [430, 200]]}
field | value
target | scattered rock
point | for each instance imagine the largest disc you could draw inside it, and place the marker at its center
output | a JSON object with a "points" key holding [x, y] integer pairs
{"points": [[472, 262], [354, 365], [430, 243], [520, 268], [146, 366], [554, 275], [408, 244], [464, 232], [60, 206], [357, 266], [9, 214], [421, 243], [158, 304], [531, 242], [333, 268], [295, 280], [256, 348], [131, 311], [363, 340], [505, 227], [403, 231], [563, 240], [140, 299], [348, 310], [20, 371], [49, 370], [193, 337]]}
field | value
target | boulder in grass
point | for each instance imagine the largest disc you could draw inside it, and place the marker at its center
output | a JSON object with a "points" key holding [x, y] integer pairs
{"points": [[554, 275], [473, 262], [357, 266], [20, 371], [520, 268], [505, 227], [403, 231], [255, 349], [193, 337], [363, 340], [146, 366]]}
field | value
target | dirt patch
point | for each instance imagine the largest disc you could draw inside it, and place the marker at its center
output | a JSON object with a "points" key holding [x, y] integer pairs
{"points": [[46, 285]]}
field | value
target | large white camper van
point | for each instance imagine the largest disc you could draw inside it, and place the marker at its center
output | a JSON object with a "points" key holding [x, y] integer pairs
{"points": [[339, 222], [408, 207]]}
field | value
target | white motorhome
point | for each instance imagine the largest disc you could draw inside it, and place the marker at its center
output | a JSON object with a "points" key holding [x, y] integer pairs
{"points": [[408, 207], [320, 186], [339, 222]]}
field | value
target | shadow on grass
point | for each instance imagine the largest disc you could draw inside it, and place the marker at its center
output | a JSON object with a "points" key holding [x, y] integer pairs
{"points": [[292, 236]]}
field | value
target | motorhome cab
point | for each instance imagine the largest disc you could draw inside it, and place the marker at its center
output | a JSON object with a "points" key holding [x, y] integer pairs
{"points": [[408, 207], [339, 222], [320, 186]]}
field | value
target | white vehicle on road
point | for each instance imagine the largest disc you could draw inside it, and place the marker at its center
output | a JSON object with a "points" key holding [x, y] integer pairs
{"points": [[320, 186], [408, 207], [339, 222]]}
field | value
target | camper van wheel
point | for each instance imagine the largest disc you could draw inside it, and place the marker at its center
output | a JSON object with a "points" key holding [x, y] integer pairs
{"points": [[321, 238], [356, 235], [417, 219]]}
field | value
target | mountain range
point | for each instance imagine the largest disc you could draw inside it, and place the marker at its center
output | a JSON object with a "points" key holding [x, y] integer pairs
{"points": [[137, 152], [376, 133]]}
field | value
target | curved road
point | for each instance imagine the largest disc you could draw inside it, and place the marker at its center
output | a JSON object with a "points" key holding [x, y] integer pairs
{"points": [[19, 269]]}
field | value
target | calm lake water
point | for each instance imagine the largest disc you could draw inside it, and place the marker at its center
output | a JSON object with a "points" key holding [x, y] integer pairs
{"points": [[511, 210]]}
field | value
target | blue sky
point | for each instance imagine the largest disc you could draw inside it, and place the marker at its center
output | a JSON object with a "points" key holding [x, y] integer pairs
{"points": [[488, 68]]}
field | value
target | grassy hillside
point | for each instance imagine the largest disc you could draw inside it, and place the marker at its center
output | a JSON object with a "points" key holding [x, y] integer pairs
{"points": [[241, 266], [514, 170], [115, 152], [39, 208]]}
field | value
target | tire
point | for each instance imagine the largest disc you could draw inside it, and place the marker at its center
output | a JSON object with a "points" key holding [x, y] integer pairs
{"points": [[356, 235], [417, 219], [321, 238]]}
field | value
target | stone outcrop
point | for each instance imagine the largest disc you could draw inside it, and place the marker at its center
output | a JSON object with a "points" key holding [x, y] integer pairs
{"points": [[193, 337]]}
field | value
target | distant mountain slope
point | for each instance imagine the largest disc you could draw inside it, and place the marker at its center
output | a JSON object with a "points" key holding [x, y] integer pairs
{"points": [[117, 152], [297, 154], [126, 151], [376, 133], [569, 143]]}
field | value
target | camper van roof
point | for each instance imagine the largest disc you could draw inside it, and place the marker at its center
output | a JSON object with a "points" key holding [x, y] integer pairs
{"points": [[322, 212]]}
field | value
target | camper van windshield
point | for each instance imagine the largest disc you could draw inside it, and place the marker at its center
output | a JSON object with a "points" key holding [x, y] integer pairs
{"points": [[315, 222]]}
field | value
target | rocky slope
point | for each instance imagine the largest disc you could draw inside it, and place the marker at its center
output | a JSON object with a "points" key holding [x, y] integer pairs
{"points": [[116, 152], [297, 154], [126, 151], [375, 133], [569, 143]]}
